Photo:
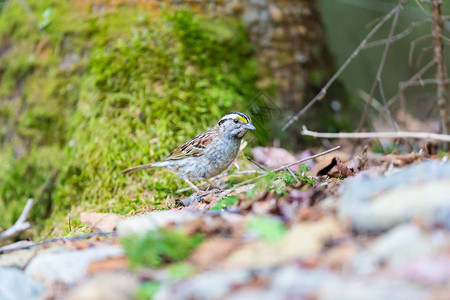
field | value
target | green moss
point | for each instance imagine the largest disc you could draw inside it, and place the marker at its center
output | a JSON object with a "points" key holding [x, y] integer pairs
{"points": [[93, 92], [155, 248]]}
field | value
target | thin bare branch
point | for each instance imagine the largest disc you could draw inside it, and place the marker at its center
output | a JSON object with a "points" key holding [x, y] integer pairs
{"points": [[377, 81], [415, 77], [413, 46], [378, 135], [398, 36], [20, 224], [227, 192], [439, 59], [360, 47]]}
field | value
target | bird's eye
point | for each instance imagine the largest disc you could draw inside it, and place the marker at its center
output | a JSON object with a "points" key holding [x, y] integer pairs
{"points": [[236, 121]]}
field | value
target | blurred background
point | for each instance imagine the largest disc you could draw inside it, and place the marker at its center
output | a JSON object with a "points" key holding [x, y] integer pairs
{"points": [[88, 88]]}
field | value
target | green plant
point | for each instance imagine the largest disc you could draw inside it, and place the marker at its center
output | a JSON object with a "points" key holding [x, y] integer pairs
{"points": [[147, 290], [157, 247], [267, 227]]}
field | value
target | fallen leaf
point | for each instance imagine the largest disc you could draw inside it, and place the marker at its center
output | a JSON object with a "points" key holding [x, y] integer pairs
{"points": [[213, 250], [400, 160], [109, 264], [273, 157], [105, 222]]}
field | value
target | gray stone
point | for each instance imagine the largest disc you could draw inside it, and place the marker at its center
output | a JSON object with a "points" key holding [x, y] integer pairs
{"points": [[292, 283], [398, 246], [289, 282], [68, 266], [421, 190], [15, 284]]}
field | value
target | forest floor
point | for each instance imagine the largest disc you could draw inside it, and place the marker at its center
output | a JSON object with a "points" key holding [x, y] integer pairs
{"points": [[369, 227]]}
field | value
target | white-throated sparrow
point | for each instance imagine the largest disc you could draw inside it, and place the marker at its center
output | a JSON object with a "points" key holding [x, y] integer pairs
{"points": [[208, 154]]}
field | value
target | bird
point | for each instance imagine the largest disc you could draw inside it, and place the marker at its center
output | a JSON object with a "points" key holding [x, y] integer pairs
{"points": [[208, 154]]}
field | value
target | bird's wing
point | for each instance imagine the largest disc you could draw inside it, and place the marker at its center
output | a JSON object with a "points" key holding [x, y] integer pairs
{"points": [[194, 147]]}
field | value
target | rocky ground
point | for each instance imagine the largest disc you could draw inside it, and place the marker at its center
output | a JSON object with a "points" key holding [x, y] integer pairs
{"points": [[375, 227]]}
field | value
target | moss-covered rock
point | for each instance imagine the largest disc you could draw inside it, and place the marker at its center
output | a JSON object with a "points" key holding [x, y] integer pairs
{"points": [[90, 90]]}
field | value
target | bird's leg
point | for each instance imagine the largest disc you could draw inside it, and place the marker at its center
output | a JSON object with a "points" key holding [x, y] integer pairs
{"points": [[196, 189], [213, 185]]}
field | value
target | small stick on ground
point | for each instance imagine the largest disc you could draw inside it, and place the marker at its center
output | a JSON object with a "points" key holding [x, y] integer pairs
{"points": [[20, 224], [378, 135], [226, 192]]}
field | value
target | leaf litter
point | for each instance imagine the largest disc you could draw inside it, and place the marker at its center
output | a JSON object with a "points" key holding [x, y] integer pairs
{"points": [[265, 226]]}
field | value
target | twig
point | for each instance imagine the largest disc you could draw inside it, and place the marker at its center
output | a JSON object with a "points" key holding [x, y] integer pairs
{"points": [[375, 103], [226, 192], [413, 46], [376, 135], [323, 92], [398, 36], [377, 82], [423, 82], [293, 175], [57, 239], [20, 224], [439, 59], [403, 84], [219, 177]]}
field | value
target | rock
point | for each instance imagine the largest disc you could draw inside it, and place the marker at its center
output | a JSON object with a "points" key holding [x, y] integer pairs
{"points": [[433, 271], [68, 266], [293, 283], [15, 284], [288, 282], [302, 240], [111, 286], [17, 258], [154, 220], [208, 285], [421, 191], [400, 245]]}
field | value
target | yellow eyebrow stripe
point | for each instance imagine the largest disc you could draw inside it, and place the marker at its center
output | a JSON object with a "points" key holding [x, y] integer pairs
{"points": [[242, 119]]}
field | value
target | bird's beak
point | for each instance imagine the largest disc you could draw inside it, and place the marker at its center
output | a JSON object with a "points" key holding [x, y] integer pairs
{"points": [[249, 126]]}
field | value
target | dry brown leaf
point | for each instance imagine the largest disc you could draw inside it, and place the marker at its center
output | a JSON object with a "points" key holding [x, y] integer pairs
{"points": [[273, 157], [109, 264], [105, 222], [213, 251], [400, 160]]}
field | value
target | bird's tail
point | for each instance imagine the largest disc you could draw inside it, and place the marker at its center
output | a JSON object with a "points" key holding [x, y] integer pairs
{"points": [[138, 168]]}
